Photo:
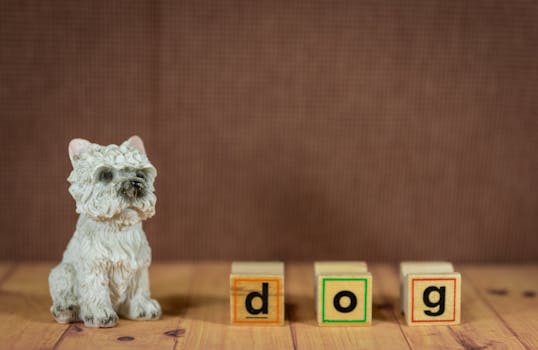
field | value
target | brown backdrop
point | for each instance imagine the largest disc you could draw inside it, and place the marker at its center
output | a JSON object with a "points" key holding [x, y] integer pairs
{"points": [[378, 130]]}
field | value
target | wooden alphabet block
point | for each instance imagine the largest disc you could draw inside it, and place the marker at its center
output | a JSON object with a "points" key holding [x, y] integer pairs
{"points": [[430, 293], [343, 293], [257, 293]]}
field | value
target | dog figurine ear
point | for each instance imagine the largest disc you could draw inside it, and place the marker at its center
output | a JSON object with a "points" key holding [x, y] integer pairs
{"points": [[136, 142], [76, 147]]}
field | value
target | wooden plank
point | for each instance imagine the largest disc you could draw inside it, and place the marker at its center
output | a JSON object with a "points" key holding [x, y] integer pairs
{"points": [[207, 320], [169, 285], [511, 292], [383, 334], [25, 320]]}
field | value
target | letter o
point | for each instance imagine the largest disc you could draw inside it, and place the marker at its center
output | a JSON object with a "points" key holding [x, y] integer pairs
{"points": [[352, 301]]}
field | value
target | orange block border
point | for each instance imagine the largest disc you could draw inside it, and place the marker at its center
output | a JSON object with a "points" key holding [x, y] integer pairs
{"points": [[413, 299], [277, 280]]}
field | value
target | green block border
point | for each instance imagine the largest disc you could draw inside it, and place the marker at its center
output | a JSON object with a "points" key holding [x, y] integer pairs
{"points": [[365, 280]]}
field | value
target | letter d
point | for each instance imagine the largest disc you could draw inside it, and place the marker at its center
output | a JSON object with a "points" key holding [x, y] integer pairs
{"points": [[264, 295]]}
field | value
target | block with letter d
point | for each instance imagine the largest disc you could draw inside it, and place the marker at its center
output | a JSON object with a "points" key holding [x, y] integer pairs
{"points": [[257, 293], [343, 293], [430, 293]]}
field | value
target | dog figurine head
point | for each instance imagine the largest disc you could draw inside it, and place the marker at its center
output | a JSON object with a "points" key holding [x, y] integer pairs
{"points": [[112, 183]]}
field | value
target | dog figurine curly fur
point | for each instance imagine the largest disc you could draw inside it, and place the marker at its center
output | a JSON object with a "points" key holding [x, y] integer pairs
{"points": [[104, 271]]}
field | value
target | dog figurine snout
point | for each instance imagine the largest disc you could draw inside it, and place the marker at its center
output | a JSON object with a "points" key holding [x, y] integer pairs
{"points": [[132, 189]]}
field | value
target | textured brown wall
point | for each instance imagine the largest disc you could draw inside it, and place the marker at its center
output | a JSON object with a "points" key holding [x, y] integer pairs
{"points": [[376, 130]]}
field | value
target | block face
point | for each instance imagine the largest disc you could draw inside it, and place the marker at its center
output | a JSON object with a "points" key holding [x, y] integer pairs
{"points": [[344, 300], [433, 298]]}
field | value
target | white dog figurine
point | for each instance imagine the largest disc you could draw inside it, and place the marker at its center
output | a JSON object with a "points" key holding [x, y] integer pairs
{"points": [[104, 271]]}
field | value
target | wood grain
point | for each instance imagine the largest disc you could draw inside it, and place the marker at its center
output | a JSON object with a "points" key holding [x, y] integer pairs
{"points": [[480, 328], [25, 320], [499, 311], [511, 292]]}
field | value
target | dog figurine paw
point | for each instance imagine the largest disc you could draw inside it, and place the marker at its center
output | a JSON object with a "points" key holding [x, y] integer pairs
{"points": [[104, 270]]}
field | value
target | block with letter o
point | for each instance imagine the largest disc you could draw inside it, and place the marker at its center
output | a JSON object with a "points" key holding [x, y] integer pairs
{"points": [[344, 294]]}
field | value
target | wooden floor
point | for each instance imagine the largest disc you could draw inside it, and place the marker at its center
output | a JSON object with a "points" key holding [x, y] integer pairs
{"points": [[499, 311]]}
